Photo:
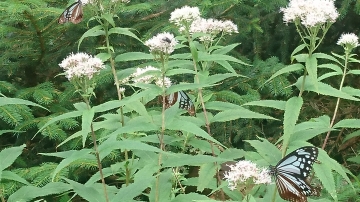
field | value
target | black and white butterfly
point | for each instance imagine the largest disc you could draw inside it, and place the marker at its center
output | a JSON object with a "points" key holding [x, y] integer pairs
{"points": [[73, 13], [184, 101], [291, 173]]}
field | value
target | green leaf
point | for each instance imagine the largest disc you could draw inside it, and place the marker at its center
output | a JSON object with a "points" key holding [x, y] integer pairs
{"points": [[10, 131], [219, 57], [126, 194], [286, 69], [75, 155], [311, 67], [110, 105], [161, 190], [87, 119], [180, 159], [324, 173], [190, 197], [324, 89], [269, 153], [17, 101], [327, 75], [326, 56], [180, 71], [28, 193], [194, 51], [109, 18], [225, 49], [88, 193], [356, 72], [234, 114], [12, 176], [123, 31], [103, 56], [277, 104], [206, 176], [351, 91], [109, 145], [59, 118], [9, 155], [133, 56], [351, 135], [296, 50], [355, 159], [348, 123], [331, 66], [231, 112], [95, 31], [291, 115]]}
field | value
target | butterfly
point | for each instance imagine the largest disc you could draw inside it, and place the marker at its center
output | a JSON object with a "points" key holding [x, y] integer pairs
{"points": [[184, 101], [73, 13], [291, 173]]}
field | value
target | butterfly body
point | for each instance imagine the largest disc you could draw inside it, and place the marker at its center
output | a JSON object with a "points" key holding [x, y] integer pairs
{"points": [[291, 173], [183, 99], [73, 13]]}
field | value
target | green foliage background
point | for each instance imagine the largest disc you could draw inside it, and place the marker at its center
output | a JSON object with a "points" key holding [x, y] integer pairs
{"points": [[33, 44]]}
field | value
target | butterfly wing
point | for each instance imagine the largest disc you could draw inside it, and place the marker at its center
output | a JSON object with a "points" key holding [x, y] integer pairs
{"points": [[291, 173], [186, 103], [183, 99], [73, 13]]}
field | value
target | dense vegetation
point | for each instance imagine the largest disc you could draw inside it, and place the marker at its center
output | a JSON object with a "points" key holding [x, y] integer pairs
{"points": [[258, 94]]}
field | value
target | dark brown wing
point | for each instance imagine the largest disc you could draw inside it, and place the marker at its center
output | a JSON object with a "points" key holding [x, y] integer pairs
{"points": [[73, 13]]}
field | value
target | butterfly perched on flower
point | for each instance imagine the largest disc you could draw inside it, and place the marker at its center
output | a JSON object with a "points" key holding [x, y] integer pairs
{"points": [[183, 99], [73, 13], [291, 173]]}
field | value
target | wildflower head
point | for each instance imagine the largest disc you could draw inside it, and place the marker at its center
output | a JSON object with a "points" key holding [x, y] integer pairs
{"points": [[310, 13], [348, 41], [81, 65], [211, 27], [162, 43], [246, 173], [183, 17]]}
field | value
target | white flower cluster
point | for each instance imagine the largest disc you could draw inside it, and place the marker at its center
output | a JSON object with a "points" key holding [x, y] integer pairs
{"points": [[188, 19], [184, 16], [348, 39], [212, 27], [243, 171], [162, 43], [144, 75], [310, 12], [81, 64]]}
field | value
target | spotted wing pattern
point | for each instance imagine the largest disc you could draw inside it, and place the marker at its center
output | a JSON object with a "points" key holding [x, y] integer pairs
{"points": [[183, 99], [73, 13], [291, 173]]}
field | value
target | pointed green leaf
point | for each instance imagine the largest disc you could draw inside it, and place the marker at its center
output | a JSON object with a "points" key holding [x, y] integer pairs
{"points": [[87, 118], [17, 101], [206, 176], [95, 31], [291, 115], [88, 193], [324, 89], [132, 56], [109, 18], [225, 49], [123, 31], [75, 155], [28, 193], [348, 123], [277, 104], [9, 155], [311, 67], [12, 176], [286, 69]]}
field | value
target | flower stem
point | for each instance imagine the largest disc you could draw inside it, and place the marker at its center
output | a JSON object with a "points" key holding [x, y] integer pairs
{"points": [[338, 100]]}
